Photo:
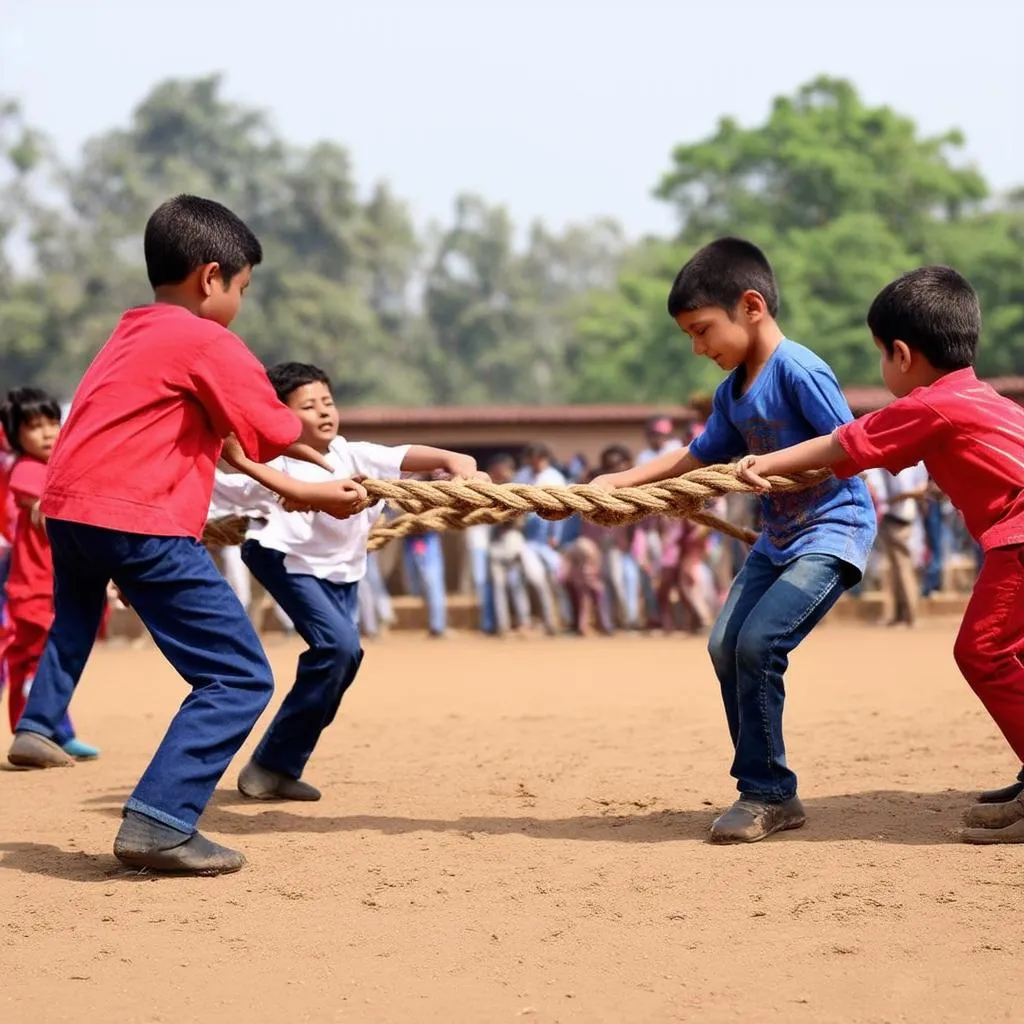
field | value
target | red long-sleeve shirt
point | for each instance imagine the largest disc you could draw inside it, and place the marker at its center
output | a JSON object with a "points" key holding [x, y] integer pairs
{"points": [[138, 451]]}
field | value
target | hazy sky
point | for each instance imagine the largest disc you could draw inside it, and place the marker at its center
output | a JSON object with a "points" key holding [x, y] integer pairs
{"points": [[562, 110]]}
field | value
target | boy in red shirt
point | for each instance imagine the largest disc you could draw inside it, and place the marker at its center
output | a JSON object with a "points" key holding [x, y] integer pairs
{"points": [[926, 326], [31, 423], [126, 496]]}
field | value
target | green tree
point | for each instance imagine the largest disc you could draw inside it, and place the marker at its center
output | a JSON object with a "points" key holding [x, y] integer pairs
{"points": [[843, 197]]}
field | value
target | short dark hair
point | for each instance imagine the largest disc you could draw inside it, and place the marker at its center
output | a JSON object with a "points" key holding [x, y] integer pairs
{"points": [[22, 406], [719, 274], [185, 232], [933, 310], [617, 452], [289, 377], [501, 459], [537, 450]]}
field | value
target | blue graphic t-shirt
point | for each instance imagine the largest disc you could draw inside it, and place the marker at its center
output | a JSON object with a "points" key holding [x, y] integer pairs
{"points": [[794, 398]]}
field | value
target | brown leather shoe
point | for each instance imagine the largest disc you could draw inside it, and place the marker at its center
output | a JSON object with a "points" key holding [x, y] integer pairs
{"points": [[259, 783], [146, 843], [749, 821], [33, 750]]}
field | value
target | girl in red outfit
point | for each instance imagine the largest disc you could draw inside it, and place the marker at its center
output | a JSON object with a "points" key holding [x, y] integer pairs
{"points": [[31, 421]]}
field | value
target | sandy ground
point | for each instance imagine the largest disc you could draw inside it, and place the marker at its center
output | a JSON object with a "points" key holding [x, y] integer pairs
{"points": [[517, 830]]}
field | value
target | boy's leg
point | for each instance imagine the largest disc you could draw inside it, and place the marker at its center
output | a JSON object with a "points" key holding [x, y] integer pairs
{"points": [[535, 574], [202, 629], [324, 616], [988, 651], [751, 583], [803, 593], [431, 566], [499, 581], [79, 598]]}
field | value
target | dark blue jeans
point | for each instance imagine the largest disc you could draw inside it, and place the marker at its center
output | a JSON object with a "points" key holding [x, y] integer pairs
{"points": [[325, 616], [198, 625], [770, 609]]}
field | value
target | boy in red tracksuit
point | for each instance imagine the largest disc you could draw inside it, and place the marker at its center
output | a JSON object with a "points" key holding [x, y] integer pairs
{"points": [[926, 326], [127, 491], [31, 423]]}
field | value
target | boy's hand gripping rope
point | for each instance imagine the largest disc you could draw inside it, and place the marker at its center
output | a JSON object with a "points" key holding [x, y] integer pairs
{"points": [[434, 506]]}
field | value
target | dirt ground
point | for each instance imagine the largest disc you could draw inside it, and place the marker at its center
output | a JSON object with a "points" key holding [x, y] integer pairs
{"points": [[516, 829]]}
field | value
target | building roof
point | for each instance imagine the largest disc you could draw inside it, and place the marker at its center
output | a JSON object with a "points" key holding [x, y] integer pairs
{"points": [[861, 399]]}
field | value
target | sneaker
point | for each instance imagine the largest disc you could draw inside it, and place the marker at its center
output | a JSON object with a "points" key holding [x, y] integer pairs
{"points": [[750, 821], [990, 815], [80, 751]]}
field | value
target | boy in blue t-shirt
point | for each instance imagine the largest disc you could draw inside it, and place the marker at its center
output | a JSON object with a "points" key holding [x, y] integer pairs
{"points": [[814, 544]]}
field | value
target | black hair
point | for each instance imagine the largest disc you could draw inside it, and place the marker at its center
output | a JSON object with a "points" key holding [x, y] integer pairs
{"points": [[187, 231], [289, 377], [537, 450], [22, 406], [933, 310], [616, 451], [719, 274]]}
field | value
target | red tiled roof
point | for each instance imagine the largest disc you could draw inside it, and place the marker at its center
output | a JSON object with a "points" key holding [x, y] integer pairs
{"points": [[861, 399]]}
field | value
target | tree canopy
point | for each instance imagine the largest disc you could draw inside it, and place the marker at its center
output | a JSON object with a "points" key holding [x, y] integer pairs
{"points": [[842, 196]]}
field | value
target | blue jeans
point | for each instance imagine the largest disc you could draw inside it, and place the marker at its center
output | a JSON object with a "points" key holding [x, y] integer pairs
{"points": [[424, 565], [199, 626], [935, 536], [325, 617], [484, 588], [770, 609]]}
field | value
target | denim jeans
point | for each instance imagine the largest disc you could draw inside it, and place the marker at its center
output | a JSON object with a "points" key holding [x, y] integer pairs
{"points": [[424, 566], [200, 627], [935, 535], [325, 616], [770, 609], [483, 587]]}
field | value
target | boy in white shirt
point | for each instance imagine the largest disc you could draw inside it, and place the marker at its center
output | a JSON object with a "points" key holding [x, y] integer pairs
{"points": [[311, 564]]}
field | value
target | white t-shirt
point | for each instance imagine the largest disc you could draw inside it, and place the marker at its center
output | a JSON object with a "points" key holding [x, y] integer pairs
{"points": [[313, 543]]}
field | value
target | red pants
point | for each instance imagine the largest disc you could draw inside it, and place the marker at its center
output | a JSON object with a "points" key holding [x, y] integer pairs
{"points": [[990, 645], [28, 639]]}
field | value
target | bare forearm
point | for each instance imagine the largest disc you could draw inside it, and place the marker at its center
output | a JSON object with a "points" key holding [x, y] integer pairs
{"points": [[274, 480], [661, 467], [818, 453], [422, 458]]}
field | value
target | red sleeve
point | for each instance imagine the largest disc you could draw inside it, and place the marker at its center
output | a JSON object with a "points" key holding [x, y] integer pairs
{"points": [[27, 479], [892, 438], [232, 386]]}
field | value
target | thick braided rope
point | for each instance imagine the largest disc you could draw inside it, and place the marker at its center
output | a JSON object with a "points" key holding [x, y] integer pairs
{"points": [[456, 504]]}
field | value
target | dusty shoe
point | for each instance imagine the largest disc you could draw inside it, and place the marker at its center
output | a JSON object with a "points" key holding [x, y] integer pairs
{"points": [[1001, 796], [259, 783], [33, 750], [989, 815], [143, 842], [749, 821], [992, 836]]}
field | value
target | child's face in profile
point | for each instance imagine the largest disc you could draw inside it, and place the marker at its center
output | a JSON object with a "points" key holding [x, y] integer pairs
{"points": [[314, 405], [37, 437], [722, 338], [898, 371]]}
